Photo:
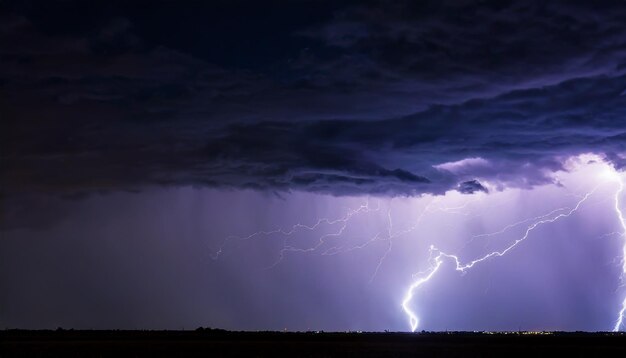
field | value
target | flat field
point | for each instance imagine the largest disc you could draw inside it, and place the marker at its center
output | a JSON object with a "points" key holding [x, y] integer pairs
{"points": [[218, 343]]}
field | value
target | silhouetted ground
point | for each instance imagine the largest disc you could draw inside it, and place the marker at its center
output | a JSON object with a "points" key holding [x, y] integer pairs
{"points": [[217, 343]]}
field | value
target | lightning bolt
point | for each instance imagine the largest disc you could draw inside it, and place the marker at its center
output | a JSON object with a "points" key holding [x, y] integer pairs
{"points": [[389, 244], [322, 240], [516, 224], [622, 221], [343, 223], [433, 206], [513, 225], [437, 257]]}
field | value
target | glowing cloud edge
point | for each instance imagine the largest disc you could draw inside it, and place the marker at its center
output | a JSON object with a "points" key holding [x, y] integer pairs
{"points": [[610, 175]]}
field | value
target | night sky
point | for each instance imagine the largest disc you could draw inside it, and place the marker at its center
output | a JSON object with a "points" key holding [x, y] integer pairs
{"points": [[313, 165]]}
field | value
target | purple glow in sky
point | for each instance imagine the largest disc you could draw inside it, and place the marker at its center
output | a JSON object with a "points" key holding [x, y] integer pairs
{"points": [[425, 228], [262, 165], [350, 271]]}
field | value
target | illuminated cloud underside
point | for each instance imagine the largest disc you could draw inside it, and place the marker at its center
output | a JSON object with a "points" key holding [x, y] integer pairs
{"points": [[583, 171]]}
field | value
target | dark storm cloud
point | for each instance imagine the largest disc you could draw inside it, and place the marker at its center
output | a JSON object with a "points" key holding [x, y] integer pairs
{"points": [[471, 187], [522, 136], [449, 51], [374, 100]]}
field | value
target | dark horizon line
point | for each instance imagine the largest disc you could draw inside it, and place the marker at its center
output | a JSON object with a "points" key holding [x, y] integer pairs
{"points": [[355, 332]]}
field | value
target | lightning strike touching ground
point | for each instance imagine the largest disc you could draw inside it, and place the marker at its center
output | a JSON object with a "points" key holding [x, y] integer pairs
{"points": [[440, 256], [341, 227], [622, 221], [437, 257]]}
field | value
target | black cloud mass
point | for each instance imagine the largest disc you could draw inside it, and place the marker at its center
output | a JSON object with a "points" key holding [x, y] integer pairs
{"points": [[369, 98]]}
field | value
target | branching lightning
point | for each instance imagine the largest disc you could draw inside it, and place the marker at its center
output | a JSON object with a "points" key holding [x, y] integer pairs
{"points": [[287, 233], [437, 258]]}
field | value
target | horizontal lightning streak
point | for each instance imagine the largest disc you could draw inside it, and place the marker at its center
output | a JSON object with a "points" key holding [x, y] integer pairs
{"points": [[510, 226], [322, 240], [296, 227]]}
